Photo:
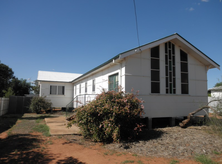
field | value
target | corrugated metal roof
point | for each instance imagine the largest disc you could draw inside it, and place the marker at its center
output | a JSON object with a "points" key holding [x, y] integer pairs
{"points": [[56, 76], [216, 88], [117, 56]]}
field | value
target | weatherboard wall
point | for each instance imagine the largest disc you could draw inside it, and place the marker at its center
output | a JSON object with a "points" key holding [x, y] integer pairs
{"points": [[135, 73], [57, 100], [101, 80], [138, 77]]}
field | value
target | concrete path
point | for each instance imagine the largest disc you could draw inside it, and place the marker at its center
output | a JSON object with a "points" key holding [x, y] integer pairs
{"points": [[57, 126]]}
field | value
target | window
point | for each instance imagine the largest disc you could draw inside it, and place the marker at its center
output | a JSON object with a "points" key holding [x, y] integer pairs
{"points": [[170, 68], [184, 72], [61, 90], [155, 70], [79, 88], [93, 85], [57, 90], [85, 87], [53, 90], [75, 89], [113, 82]]}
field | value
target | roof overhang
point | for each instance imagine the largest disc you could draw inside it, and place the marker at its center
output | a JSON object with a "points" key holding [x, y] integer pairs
{"points": [[175, 38], [109, 63], [183, 44]]}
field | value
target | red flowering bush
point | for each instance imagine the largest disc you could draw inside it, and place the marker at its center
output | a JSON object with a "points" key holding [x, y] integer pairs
{"points": [[112, 116]]}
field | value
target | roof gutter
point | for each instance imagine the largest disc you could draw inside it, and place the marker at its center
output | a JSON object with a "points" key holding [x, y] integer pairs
{"points": [[107, 64]]}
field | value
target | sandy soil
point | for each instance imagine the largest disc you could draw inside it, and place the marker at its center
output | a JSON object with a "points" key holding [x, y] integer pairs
{"points": [[20, 145], [35, 148]]}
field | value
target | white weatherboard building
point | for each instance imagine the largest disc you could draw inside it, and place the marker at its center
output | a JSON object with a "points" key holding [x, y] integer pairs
{"points": [[57, 87], [170, 75], [216, 94]]}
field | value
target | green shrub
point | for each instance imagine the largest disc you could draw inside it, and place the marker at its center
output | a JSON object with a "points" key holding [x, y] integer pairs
{"points": [[40, 103], [112, 116]]}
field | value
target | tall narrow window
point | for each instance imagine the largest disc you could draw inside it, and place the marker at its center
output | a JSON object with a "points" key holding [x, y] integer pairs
{"points": [[170, 68], [53, 90], [85, 87], [61, 90], [79, 88], [93, 85], [75, 90], [184, 72], [155, 70], [113, 82]]}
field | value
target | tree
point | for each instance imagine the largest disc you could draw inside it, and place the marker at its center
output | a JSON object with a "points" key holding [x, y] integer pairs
{"points": [[9, 92], [20, 87], [6, 75], [218, 84], [35, 88]]}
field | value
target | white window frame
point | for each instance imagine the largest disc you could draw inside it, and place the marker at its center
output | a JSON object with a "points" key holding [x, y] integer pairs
{"points": [[56, 90]]}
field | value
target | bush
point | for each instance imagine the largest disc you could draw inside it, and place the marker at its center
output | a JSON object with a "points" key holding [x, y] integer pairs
{"points": [[112, 116], [40, 103]]}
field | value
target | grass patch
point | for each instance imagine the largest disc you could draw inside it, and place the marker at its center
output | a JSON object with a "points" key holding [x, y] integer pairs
{"points": [[42, 128], [215, 125], [127, 161], [204, 159], [38, 120], [106, 153], [140, 162], [49, 142], [174, 161], [217, 153], [135, 155], [9, 132]]}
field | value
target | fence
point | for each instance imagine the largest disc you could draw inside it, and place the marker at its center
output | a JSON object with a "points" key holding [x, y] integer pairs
{"points": [[4, 104], [19, 104]]}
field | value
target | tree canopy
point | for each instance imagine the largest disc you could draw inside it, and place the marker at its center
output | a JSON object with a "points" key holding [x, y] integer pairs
{"points": [[20, 87], [6, 75], [218, 84], [35, 87], [11, 85]]}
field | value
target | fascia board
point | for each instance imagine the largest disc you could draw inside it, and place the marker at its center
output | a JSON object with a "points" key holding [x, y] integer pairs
{"points": [[93, 72], [169, 38], [198, 52], [54, 81], [147, 46]]}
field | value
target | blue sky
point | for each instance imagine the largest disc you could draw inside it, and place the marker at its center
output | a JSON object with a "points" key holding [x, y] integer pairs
{"points": [[77, 35]]}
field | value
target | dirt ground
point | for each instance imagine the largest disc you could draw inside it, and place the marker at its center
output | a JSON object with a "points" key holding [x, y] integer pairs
{"points": [[22, 145], [36, 148]]}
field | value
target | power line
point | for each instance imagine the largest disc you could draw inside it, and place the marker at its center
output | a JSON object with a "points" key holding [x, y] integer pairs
{"points": [[136, 22]]}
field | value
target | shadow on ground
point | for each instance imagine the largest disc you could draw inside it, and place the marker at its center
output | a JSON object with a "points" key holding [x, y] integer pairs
{"points": [[69, 160], [8, 121], [36, 116], [22, 149], [149, 135]]}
